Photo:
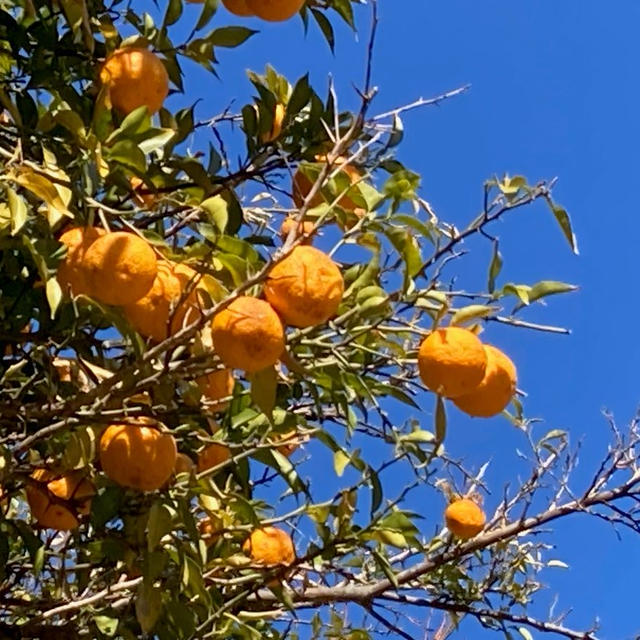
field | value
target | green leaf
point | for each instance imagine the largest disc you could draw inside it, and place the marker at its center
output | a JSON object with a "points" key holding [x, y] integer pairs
{"points": [[546, 288], [160, 523], [563, 219], [419, 435], [440, 419], [148, 606], [494, 267], [106, 625], [18, 210], [216, 209], [326, 28], [128, 154], [525, 633], [340, 462], [264, 384], [472, 312], [173, 12], [376, 491], [54, 295], [230, 36]]}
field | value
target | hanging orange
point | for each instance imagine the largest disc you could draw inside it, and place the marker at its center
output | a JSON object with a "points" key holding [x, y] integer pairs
{"points": [[464, 518], [71, 274], [248, 334], [174, 301], [135, 77], [138, 455], [216, 386], [495, 391], [270, 546], [237, 7], [274, 10], [305, 288], [119, 268], [212, 456], [452, 361], [58, 500]]}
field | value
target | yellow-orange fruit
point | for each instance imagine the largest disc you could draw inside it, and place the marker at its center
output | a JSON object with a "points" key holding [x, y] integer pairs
{"points": [[184, 464], [305, 288], [274, 10], [495, 391], [135, 77], [209, 530], [119, 268], [214, 387], [211, 456], [301, 185], [237, 7], [276, 124], [146, 200], [270, 546], [138, 456], [56, 501], [452, 361], [464, 518], [248, 334], [167, 307], [71, 274], [306, 227]]}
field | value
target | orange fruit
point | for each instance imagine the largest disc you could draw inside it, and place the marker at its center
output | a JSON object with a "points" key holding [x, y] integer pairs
{"points": [[464, 518], [274, 10], [214, 387], [135, 77], [495, 391], [306, 227], [452, 361], [184, 464], [276, 125], [212, 455], [71, 274], [138, 455], [305, 288], [270, 546], [237, 7], [145, 200], [166, 307], [301, 185], [248, 334], [290, 441], [56, 501], [119, 268]]}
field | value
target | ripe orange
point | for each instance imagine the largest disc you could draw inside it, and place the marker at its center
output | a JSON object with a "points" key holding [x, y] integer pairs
{"points": [[166, 307], [270, 546], [495, 391], [57, 501], [464, 518], [212, 455], [145, 200], [305, 288], [214, 387], [301, 185], [237, 7], [306, 227], [119, 268], [276, 125], [452, 361], [71, 274], [274, 10], [248, 334], [135, 77], [138, 455], [291, 442], [184, 464]]}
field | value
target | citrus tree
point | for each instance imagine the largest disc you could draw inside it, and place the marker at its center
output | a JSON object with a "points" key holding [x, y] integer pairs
{"points": [[184, 335]]}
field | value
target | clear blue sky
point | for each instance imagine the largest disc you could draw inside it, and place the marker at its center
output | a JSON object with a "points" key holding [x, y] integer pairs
{"points": [[554, 93]]}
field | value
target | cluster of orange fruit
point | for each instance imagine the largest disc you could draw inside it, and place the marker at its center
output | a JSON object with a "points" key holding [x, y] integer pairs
{"points": [[141, 455], [479, 378]]}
